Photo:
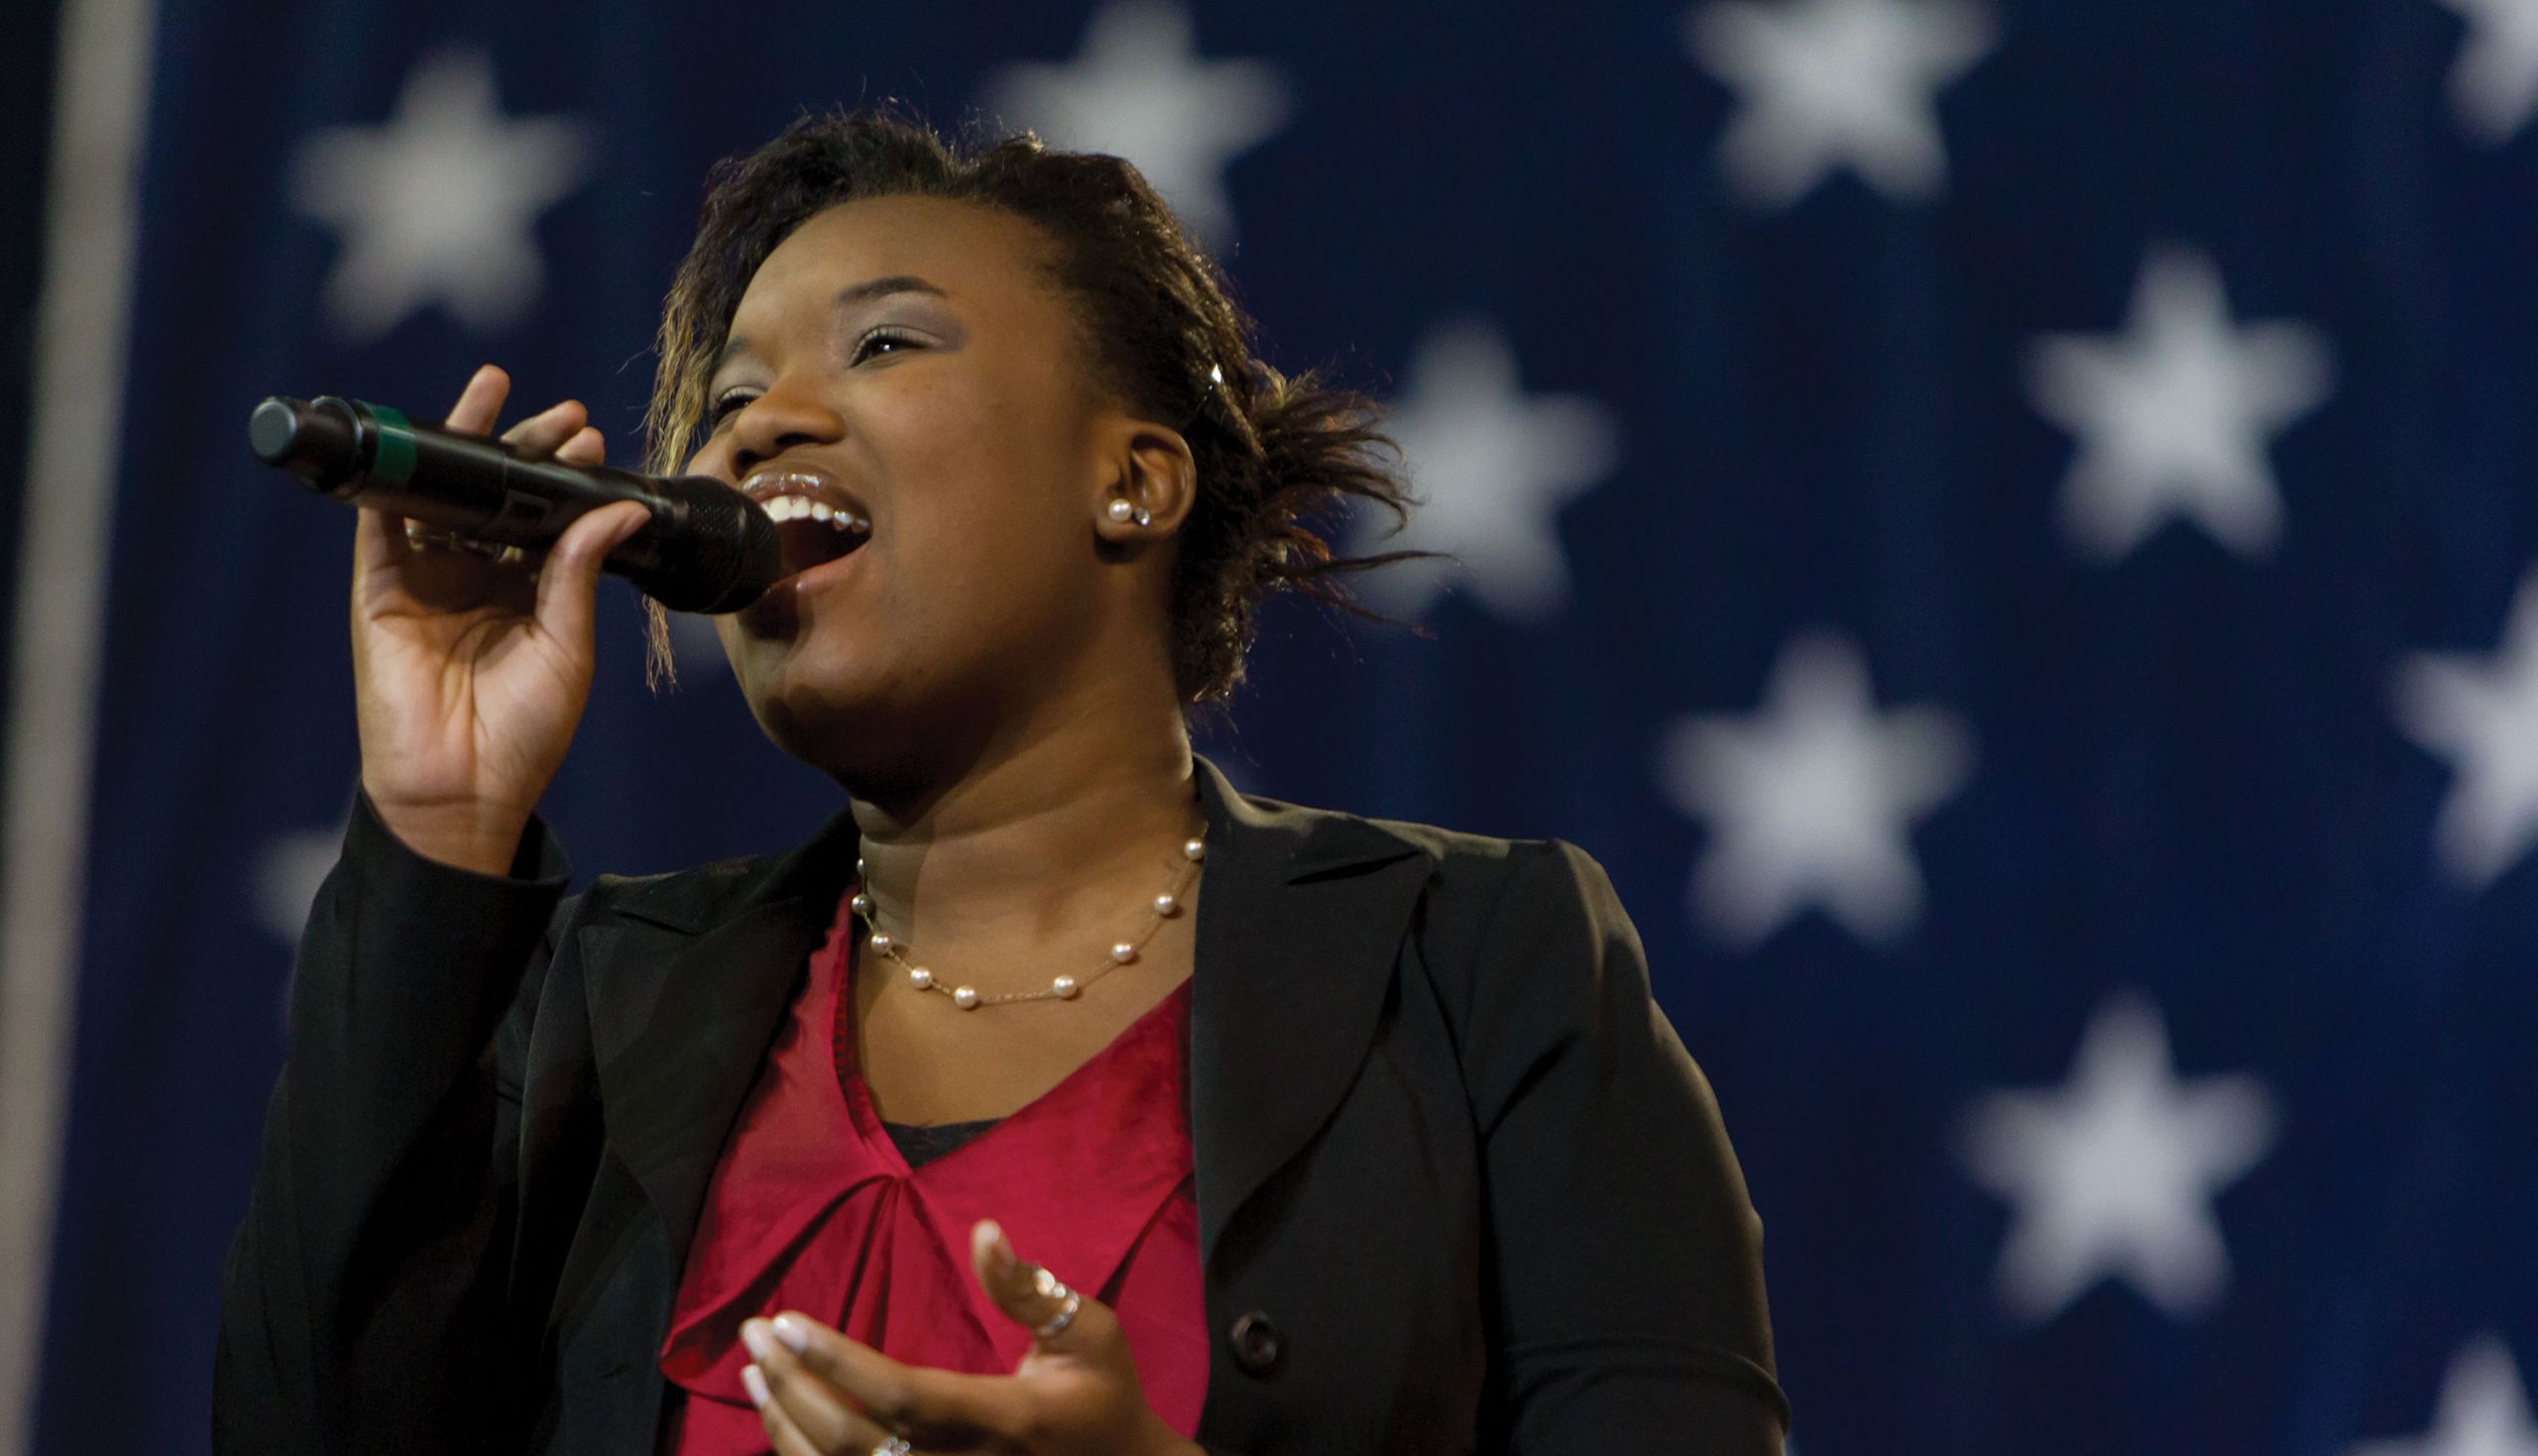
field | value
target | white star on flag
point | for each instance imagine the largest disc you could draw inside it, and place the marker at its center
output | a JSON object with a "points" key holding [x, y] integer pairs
{"points": [[2481, 713], [2112, 1175], [1822, 85], [2483, 1409], [440, 204], [1139, 89], [1810, 800], [2175, 414], [1492, 467], [2493, 84]]}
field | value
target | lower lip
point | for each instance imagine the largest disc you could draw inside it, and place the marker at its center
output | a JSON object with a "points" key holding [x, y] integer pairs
{"points": [[813, 578]]}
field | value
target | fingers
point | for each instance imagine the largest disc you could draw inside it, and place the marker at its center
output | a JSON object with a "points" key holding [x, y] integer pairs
{"points": [[796, 1402], [568, 583], [801, 1420], [480, 404], [562, 430], [550, 429], [784, 1435], [819, 1390], [932, 1407], [379, 539], [547, 432]]}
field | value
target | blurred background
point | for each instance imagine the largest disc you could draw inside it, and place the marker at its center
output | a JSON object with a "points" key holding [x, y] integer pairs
{"points": [[2006, 526]]}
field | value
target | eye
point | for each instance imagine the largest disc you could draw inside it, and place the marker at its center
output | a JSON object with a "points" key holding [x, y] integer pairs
{"points": [[724, 408], [872, 340]]}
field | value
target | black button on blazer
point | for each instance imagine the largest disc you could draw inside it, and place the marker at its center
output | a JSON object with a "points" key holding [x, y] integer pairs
{"points": [[1460, 1186]]}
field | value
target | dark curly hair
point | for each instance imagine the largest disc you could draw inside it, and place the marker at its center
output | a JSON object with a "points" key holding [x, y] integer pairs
{"points": [[1154, 315]]}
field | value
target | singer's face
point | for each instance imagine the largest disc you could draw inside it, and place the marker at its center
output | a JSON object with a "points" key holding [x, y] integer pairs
{"points": [[913, 354]]}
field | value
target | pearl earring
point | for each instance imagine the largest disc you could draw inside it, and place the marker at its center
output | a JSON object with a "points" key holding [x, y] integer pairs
{"points": [[1122, 507]]}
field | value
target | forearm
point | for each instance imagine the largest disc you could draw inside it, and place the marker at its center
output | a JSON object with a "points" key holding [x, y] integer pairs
{"points": [[366, 1275]]}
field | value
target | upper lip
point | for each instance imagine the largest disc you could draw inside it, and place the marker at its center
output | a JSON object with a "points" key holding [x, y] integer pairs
{"points": [[767, 482]]}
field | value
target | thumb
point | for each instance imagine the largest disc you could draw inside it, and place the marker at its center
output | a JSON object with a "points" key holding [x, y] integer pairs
{"points": [[1033, 1296], [569, 580]]}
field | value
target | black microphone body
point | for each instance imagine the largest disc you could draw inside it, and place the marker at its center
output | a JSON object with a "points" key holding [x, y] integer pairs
{"points": [[707, 548]]}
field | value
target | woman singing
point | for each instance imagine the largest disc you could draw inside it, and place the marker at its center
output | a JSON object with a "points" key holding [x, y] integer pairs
{"points": [[1055, 1097]]}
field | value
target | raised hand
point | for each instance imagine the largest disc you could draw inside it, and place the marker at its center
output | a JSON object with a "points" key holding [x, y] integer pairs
{"points": [[1076, 1394], [470, 674]]}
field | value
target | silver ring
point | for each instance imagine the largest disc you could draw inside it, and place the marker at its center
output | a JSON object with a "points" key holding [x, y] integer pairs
{"points": [[423, 540], [1064, 1317], [897, 1445]]}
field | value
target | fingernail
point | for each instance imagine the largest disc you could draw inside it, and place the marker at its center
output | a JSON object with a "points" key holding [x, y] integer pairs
{"points": [[1000, 1253], [795, 1336], [753, 1380], [754, 1335]]}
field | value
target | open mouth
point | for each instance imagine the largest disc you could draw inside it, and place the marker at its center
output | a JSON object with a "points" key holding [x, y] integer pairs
{"points": [[815, 537], [816, 521]]}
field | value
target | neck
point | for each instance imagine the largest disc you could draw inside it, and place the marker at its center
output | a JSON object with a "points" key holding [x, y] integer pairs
{"points": [[1032, 841]]}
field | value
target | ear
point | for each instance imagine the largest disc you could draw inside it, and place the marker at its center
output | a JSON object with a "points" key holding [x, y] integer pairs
{"points": [[1150, 467]]}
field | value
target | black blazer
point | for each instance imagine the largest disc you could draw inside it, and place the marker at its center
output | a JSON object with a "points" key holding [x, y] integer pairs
{"points": [[1460, 1186]]}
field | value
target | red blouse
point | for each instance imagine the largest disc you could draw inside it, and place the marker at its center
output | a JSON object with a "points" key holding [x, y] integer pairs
{"points": [[813, 1208]]}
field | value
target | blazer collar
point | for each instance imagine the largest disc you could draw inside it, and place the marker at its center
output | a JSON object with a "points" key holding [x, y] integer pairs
{"points": [[1299, 919], [688, 976]]}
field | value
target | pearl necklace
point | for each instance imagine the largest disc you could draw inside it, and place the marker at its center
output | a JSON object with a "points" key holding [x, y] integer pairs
{"points": [[1061, 988]]}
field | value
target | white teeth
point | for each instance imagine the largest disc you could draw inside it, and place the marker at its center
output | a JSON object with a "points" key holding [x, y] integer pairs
{"points": [[783, 508]]}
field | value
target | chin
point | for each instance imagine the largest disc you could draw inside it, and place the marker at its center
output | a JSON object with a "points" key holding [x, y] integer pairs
{"points": [[814, 703], [790, 698], [865, 724]]}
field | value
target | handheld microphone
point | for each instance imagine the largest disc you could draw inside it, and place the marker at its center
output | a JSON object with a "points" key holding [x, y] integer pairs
{"points": [[707, 548]]}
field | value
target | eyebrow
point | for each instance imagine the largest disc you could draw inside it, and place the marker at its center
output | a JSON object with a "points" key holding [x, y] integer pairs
{"points": [[846, 297]]}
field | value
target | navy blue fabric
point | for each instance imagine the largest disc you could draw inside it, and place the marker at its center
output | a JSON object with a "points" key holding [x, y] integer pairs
{"points": [[922, 1143], [2187, 778]]}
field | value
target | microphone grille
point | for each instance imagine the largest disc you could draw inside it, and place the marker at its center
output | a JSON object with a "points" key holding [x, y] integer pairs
{"points": [[727, 556]]}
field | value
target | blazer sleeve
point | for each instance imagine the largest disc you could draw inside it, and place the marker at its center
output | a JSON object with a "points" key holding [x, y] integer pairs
{"points": [[1625, 1259], [363, 1301]]}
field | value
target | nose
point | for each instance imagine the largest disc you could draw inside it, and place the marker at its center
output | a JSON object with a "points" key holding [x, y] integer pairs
{"points": [[788, 414]]}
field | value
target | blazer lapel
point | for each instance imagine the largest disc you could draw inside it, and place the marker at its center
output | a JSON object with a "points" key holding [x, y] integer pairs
{"points": [[687, 986], [1301, 919]]}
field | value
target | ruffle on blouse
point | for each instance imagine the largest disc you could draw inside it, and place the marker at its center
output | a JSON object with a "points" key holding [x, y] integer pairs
{"points": [[813, 1208]]}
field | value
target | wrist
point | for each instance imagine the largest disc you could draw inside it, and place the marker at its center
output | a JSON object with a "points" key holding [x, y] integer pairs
{"points": [[482, 839]]}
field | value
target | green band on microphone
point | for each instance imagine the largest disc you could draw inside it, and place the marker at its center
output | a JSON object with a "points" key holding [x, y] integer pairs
{"points": [[392, 463]]}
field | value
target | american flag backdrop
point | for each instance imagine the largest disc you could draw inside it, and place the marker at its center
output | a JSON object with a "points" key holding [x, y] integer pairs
{"points": [[2010, 527]]}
